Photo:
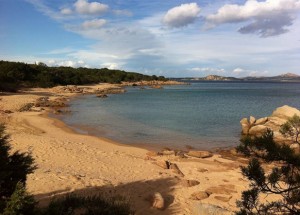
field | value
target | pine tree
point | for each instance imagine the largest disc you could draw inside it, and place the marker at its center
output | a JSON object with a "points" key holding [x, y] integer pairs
{"points": [[291, 129], [283, 180], [14, 168]]}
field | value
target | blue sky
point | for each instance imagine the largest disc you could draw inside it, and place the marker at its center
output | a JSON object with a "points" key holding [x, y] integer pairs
{"points": [[174, 38]]}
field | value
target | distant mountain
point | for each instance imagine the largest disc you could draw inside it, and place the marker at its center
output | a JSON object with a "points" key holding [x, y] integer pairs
{"points": [[288, 77], [218, 78], [210, 78]]}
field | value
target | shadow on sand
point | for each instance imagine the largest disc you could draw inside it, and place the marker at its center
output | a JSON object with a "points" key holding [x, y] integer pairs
{"points": [[138, 192]]}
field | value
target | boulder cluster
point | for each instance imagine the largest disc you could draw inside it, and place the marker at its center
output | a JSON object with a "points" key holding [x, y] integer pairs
{"points": [[256, 127], [68, 89], [102, 93]]}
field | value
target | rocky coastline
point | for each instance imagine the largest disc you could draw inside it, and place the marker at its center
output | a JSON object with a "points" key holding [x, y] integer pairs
{"points": [[257, 127]]}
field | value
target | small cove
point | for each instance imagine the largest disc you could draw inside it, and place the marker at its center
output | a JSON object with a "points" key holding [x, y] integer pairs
{"points": [[203, 115]]}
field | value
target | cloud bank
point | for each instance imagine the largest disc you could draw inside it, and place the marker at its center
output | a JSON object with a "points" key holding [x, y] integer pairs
{"points": [[265, 18], [182, 15], [93, 24]]}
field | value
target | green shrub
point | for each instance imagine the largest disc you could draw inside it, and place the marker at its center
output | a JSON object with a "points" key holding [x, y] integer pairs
{"points": [[20, 202]]}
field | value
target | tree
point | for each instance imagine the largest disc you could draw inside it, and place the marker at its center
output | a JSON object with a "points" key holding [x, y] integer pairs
{"points": [[20, 202], [291, 129], [14, 168], [283, 180]]}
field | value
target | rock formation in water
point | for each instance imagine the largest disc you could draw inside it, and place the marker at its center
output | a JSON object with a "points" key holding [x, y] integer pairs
{"points": [[256, 127]]}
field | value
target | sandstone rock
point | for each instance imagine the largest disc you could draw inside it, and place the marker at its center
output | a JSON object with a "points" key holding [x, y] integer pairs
{"points": [[258, 130], [294, 146], [101, 95], [202, 170], [200, 154], [168, 152], [200, 195], [244, 121], [274, 123], [223, 198], [245, 125], [189, 183], [152, 154], [158, 201], [26, 107], [180, 154], [162, 164], [209, 209], [156, 87], [116, 90], [261, 121], [252, 120], [225, 189], [176, 169], [285, 112]]}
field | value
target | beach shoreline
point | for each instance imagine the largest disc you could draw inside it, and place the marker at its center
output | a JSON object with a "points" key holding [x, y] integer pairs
{"points": [[72, 162]]}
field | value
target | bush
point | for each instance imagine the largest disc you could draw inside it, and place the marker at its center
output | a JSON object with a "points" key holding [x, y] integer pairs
{"points": [[20, 202], [283, 180], [14, 168]]}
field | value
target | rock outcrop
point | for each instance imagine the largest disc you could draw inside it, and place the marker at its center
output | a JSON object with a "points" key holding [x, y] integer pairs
{"points": [[158, 201], [199, 154], [256, 127]]}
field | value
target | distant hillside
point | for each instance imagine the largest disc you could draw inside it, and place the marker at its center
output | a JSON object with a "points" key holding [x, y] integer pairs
{"points": [[210, 78], [288, 77], [218, 78], [284, 77]]}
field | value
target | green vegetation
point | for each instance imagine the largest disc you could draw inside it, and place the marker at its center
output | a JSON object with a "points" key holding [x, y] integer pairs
{"points": [[283, 180], [15, 200], [14, 75], [20, 202], [291, 129], [14, 168]]}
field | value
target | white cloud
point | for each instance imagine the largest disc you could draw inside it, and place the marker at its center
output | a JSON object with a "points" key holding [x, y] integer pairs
{"points": [[67, 63], [246, 72], [182, 15], [207, 69], [66, 11], [267, 18], [93, 24], [110, 65], [238, 71], [93, 8]]}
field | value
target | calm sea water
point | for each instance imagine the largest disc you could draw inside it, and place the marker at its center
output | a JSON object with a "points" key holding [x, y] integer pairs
{"points": [[203, 115]]}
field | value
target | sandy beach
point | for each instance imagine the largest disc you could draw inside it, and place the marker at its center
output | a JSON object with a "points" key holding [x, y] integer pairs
{"points": [[71, 162]]}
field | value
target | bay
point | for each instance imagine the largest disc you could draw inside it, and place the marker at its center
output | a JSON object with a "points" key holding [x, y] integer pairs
{"points": [[203, 115]]}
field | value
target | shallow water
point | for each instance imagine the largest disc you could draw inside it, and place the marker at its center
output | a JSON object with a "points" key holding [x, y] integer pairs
{"points": [[203, 115]]}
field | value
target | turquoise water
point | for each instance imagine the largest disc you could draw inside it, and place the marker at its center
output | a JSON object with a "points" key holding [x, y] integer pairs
{"points": [[203, 115]]}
